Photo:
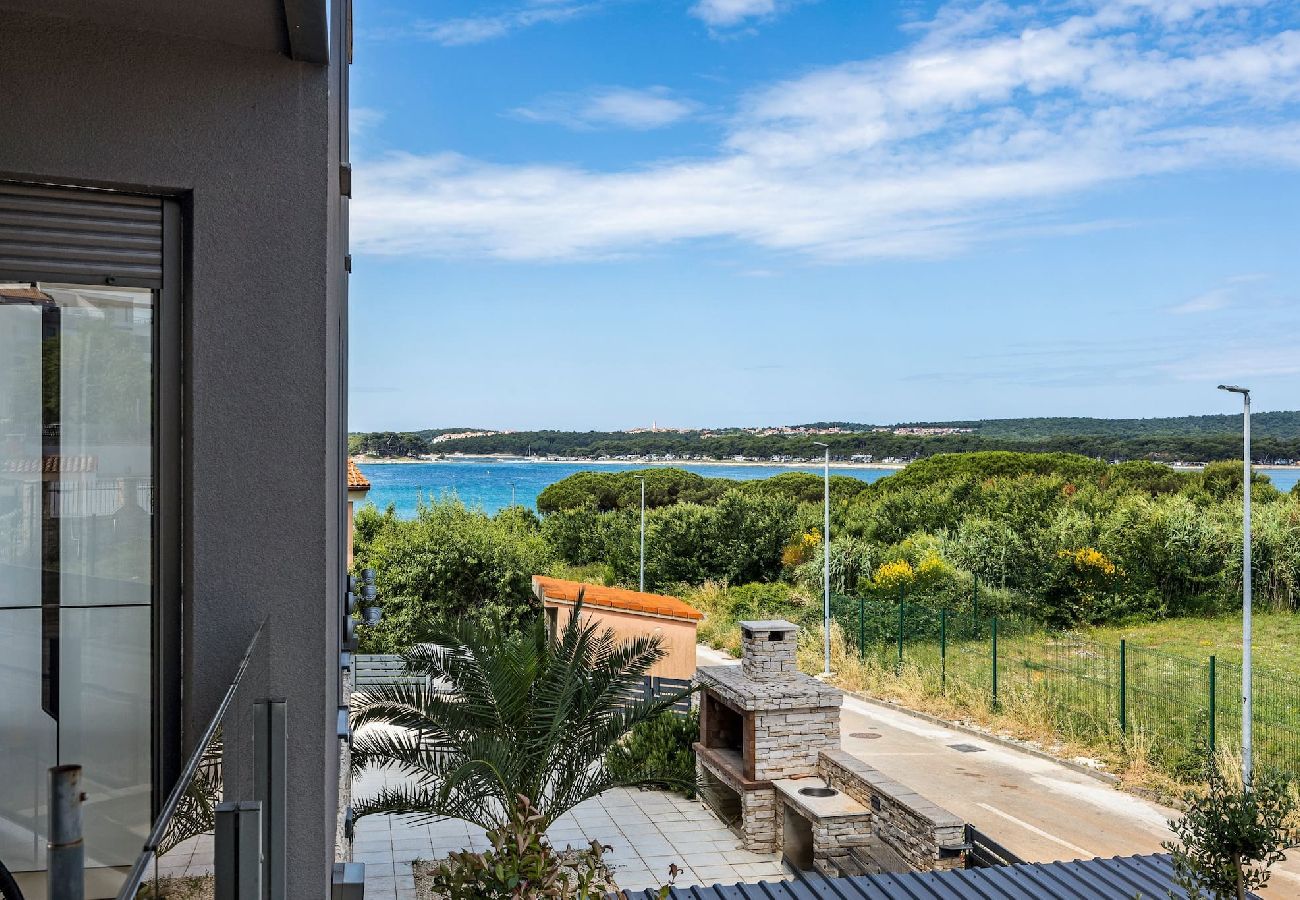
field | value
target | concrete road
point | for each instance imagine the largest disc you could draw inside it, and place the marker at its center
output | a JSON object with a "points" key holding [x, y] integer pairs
{"points": [[1038, 809]]}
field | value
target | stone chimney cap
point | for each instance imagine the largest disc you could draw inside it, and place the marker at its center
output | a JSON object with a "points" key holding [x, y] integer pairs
{"points": [[769, 625]]}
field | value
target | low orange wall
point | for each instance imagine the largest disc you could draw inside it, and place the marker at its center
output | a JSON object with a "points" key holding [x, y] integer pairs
{"points": [[677, 636]]}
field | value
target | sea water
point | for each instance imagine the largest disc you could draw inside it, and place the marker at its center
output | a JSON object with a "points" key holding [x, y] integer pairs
{"points": [[495, 483]]}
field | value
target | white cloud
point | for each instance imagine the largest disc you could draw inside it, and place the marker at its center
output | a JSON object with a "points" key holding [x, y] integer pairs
{"points": [[362, 119], [615, 107], [986, 122], [477, 29], [729, 13], [1232, 292]]}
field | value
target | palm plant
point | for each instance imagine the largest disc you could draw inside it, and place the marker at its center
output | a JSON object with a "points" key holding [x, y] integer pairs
{"points": [[504, 715]]}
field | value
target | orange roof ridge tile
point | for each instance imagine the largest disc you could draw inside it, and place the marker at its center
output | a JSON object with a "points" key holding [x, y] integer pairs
{"points": [[356, 480], [598, 595]]}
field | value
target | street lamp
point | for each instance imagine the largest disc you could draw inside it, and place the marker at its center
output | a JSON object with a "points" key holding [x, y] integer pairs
{"points": [[512, 493], [1247, 719], [641, 581], [826, 559]]}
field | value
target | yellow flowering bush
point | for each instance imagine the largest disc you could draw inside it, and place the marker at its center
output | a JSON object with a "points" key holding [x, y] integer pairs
{"points": [[801, 549], [1089, 560], [893, 575]]}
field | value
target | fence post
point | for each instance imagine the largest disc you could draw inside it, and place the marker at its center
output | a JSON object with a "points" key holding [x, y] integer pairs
{"points": [[862, 629], [901, 606], [1123, 685], [1213, 711], [943, 651], [65, 851], [995, 662], [975, 600]]}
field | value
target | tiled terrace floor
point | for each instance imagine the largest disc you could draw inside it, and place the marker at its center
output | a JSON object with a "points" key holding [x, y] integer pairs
{"points": [[648, 831]]}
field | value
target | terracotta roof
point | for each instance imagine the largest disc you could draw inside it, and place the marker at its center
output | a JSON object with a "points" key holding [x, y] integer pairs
{"points": [[24, 293], [51, 465], [613, 598], [357, 481]]}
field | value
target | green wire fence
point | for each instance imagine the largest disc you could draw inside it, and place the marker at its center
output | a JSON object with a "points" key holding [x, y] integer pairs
{"points": [[1175, 705]]}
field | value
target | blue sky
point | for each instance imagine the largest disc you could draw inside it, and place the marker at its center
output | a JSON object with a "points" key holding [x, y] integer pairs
{"points": [[599, 213]]}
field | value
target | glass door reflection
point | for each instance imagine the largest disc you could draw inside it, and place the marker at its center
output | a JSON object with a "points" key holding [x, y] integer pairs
{"points": [[76, 560]]}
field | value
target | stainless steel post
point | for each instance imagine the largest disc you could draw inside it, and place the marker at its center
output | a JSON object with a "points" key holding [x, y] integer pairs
{"points": [[65, 851], [237, 866]]}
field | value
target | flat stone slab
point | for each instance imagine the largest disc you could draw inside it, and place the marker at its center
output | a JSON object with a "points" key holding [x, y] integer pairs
{"points": [[838, 806], [797, 691]]}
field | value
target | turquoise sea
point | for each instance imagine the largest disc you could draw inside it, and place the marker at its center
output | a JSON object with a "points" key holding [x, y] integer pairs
{"points": [[492, 484]]}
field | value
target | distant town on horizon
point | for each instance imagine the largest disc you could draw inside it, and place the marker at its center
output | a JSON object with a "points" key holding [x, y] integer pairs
{"points": [[1182, 439]]}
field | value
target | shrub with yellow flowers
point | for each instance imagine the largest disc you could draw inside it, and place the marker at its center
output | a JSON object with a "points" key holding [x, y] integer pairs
{"points": [[1078, 587], [801, 549]]}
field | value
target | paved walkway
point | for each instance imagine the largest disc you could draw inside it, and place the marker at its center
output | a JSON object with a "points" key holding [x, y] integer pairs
{"points": [[1038, 809], [648, 831]]}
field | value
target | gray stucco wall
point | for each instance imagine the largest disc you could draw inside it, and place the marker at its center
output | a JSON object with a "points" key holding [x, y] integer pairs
{"points": [[248, 139]]}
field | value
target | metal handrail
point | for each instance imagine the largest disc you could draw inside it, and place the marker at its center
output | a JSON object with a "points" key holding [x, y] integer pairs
{"points": [[159, 830]]}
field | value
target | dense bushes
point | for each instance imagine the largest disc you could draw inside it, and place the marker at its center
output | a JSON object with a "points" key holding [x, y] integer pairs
{"points": [[659, 749], [447, 563], [1067, 539]]}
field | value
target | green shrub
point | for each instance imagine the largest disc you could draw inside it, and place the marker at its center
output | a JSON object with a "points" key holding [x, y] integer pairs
{"points": [[659, 748], [522, 863], [448, 563]]}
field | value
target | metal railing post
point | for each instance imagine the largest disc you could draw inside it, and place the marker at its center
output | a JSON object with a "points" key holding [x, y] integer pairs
{"points": [[65, 850], [237, 845], [1123, 685], [1213, 702], [270, 764]]}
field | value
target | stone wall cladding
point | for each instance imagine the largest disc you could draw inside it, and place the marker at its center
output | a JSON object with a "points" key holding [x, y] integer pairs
{"points": [[758, 820], [758, 806], [769, 649], [906, 823], [787, 742]]}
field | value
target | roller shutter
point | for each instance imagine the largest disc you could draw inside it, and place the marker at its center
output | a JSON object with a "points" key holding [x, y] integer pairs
{"points": [[80, 235]]}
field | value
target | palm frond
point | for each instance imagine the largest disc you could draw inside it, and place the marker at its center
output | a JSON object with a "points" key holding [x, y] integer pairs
{"points": [[499, 715]]}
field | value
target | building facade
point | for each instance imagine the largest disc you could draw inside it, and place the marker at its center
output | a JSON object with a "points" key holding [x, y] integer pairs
{"points": [[173, 286]]}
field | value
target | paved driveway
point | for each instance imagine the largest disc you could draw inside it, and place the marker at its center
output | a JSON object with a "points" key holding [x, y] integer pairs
{"points": [[648, 831], [1038, 809]]}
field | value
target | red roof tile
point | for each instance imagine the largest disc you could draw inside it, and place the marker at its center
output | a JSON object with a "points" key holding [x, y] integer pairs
{"points": [[614, 598], [357, 481]]}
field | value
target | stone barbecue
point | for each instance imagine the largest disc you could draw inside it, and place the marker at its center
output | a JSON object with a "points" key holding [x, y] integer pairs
{"points": [[760, 722], [769, 763]]}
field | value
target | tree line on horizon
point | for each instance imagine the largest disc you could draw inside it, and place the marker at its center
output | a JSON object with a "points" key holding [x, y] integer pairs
{"points": [[1275, 436]]}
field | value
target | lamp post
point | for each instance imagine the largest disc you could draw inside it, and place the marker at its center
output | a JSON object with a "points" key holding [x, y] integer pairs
{"points": [[1247, 720], [826, 559], [641, 580], [512, 493]]}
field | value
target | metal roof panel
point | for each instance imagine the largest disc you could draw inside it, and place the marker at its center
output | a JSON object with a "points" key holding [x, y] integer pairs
{"points": [[1117, 878]]}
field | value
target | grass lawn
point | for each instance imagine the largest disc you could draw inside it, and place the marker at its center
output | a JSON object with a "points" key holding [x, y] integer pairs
{"points": [[1276, 638]]}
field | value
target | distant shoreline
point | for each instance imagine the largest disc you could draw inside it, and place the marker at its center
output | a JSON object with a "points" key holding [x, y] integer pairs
{"points": [[671, 463], [510, 457]]}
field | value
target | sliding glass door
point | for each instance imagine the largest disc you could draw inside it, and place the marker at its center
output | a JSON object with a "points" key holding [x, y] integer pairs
{"points": [[78, 560]]}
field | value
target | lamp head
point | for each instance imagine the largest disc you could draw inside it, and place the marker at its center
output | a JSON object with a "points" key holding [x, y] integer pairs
{"points": [[1234, 389], [820, 444]]}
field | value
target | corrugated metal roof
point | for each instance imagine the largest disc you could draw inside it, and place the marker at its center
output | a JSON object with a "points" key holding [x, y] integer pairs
{"points": [[1118, 878]]}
